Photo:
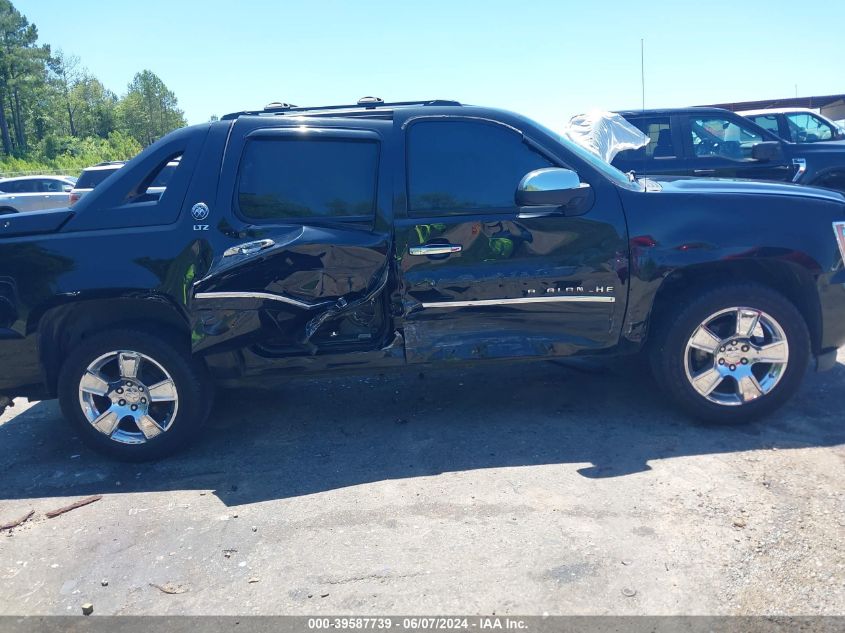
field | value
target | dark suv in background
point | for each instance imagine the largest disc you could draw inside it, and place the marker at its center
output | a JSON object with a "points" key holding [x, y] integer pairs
{"points": [[91, 177], [719, 143]]}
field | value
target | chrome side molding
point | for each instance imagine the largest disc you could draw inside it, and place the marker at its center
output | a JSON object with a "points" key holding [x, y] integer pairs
{"points": [[266, 296], [518, 300]]}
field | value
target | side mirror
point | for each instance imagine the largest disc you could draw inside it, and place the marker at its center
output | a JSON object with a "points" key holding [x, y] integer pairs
{"points": [[555, 187], [767, 151]]}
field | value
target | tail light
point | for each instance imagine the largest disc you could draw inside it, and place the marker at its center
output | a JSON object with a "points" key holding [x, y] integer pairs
{"points": [[72, 198]]}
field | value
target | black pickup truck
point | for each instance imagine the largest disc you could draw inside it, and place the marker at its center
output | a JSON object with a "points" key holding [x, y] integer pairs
{"points": [[381, 235], [713, 142]]}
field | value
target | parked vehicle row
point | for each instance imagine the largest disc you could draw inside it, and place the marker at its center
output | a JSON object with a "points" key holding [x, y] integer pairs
{"points": [[799, 125], [291, 241], [718, 143], [683, 141], [34, 193]]}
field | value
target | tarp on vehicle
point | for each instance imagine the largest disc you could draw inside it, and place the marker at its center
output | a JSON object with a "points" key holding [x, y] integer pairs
{"points": [[604, 134]]}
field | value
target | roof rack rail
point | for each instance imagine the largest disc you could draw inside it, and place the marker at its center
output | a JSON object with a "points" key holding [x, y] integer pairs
{"points": [[366, 103], [278, 105]]}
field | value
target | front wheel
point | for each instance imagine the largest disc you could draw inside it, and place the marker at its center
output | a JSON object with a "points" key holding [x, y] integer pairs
{"points": [[732, 353], [133, 395]]}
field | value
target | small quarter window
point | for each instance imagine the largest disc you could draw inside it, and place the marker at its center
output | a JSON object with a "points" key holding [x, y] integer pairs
{"points": [[153, 186], [287, 178]]}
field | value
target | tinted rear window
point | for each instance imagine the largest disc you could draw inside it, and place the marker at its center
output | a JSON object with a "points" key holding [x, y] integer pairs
{"points": [[291, 178], [93, 177], [12, 186], [25, 185]]}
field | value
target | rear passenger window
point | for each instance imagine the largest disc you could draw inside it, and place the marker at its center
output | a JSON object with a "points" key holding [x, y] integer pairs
{"points": [[767, 122], [284, 178], [457, 167], [12, 186], [20, 186]]}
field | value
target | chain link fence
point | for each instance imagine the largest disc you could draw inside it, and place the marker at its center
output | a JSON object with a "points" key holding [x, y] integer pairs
{"points": [[42, 172]]}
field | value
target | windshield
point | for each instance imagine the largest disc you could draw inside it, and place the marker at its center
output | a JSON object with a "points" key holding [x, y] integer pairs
{"points": [[608, 170]]}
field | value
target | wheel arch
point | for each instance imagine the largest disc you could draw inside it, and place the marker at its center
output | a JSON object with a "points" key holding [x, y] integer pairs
{"points": [[63, 327], [794, 282]]}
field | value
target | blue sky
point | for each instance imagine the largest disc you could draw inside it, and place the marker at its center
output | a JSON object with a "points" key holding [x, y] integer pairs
{"points": [[548, 60]]}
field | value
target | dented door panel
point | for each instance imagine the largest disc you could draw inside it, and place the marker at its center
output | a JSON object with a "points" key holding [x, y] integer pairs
{"points": [[519, 287], [277, 290], [309, 272]]}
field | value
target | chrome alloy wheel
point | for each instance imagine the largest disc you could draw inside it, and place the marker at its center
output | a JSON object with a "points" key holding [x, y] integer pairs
{"points": [[736, 356], [128, 397]]}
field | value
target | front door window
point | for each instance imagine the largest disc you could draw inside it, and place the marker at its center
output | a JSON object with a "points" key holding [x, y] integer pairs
{"points": [[806, 127], [718, 137]]}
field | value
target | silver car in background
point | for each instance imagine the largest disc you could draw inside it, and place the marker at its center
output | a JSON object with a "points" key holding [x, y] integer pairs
{"points": [[34, 193]]}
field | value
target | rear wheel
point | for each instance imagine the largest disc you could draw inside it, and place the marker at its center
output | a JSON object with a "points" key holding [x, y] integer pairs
{"points": [[134, 395], [731, 354]]}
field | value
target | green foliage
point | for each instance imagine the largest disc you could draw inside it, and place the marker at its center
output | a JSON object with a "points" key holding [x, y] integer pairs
{"points": [[149, 110], [70, 155], [55, 116]]}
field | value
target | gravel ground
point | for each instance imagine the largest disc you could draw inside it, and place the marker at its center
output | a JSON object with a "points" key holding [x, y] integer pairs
{"points": [[508, 489]]}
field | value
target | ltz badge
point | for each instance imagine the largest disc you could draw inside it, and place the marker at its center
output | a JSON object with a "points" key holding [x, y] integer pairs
{"points": [[200, 212]]}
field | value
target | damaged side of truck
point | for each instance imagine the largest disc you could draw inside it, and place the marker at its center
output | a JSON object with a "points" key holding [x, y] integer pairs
{"points": [[354, 238]]}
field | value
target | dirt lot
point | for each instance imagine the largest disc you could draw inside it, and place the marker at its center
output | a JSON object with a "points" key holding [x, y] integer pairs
{"points": [[518, 489]]}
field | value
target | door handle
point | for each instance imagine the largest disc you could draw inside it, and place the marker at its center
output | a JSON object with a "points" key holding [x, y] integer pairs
{"points": [[704, 172], [249, 248], [551, 212], [435, 249]]}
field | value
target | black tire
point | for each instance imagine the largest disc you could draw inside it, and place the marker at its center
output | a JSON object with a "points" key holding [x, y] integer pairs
{"points": [[673, 330], [192, 384]]}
